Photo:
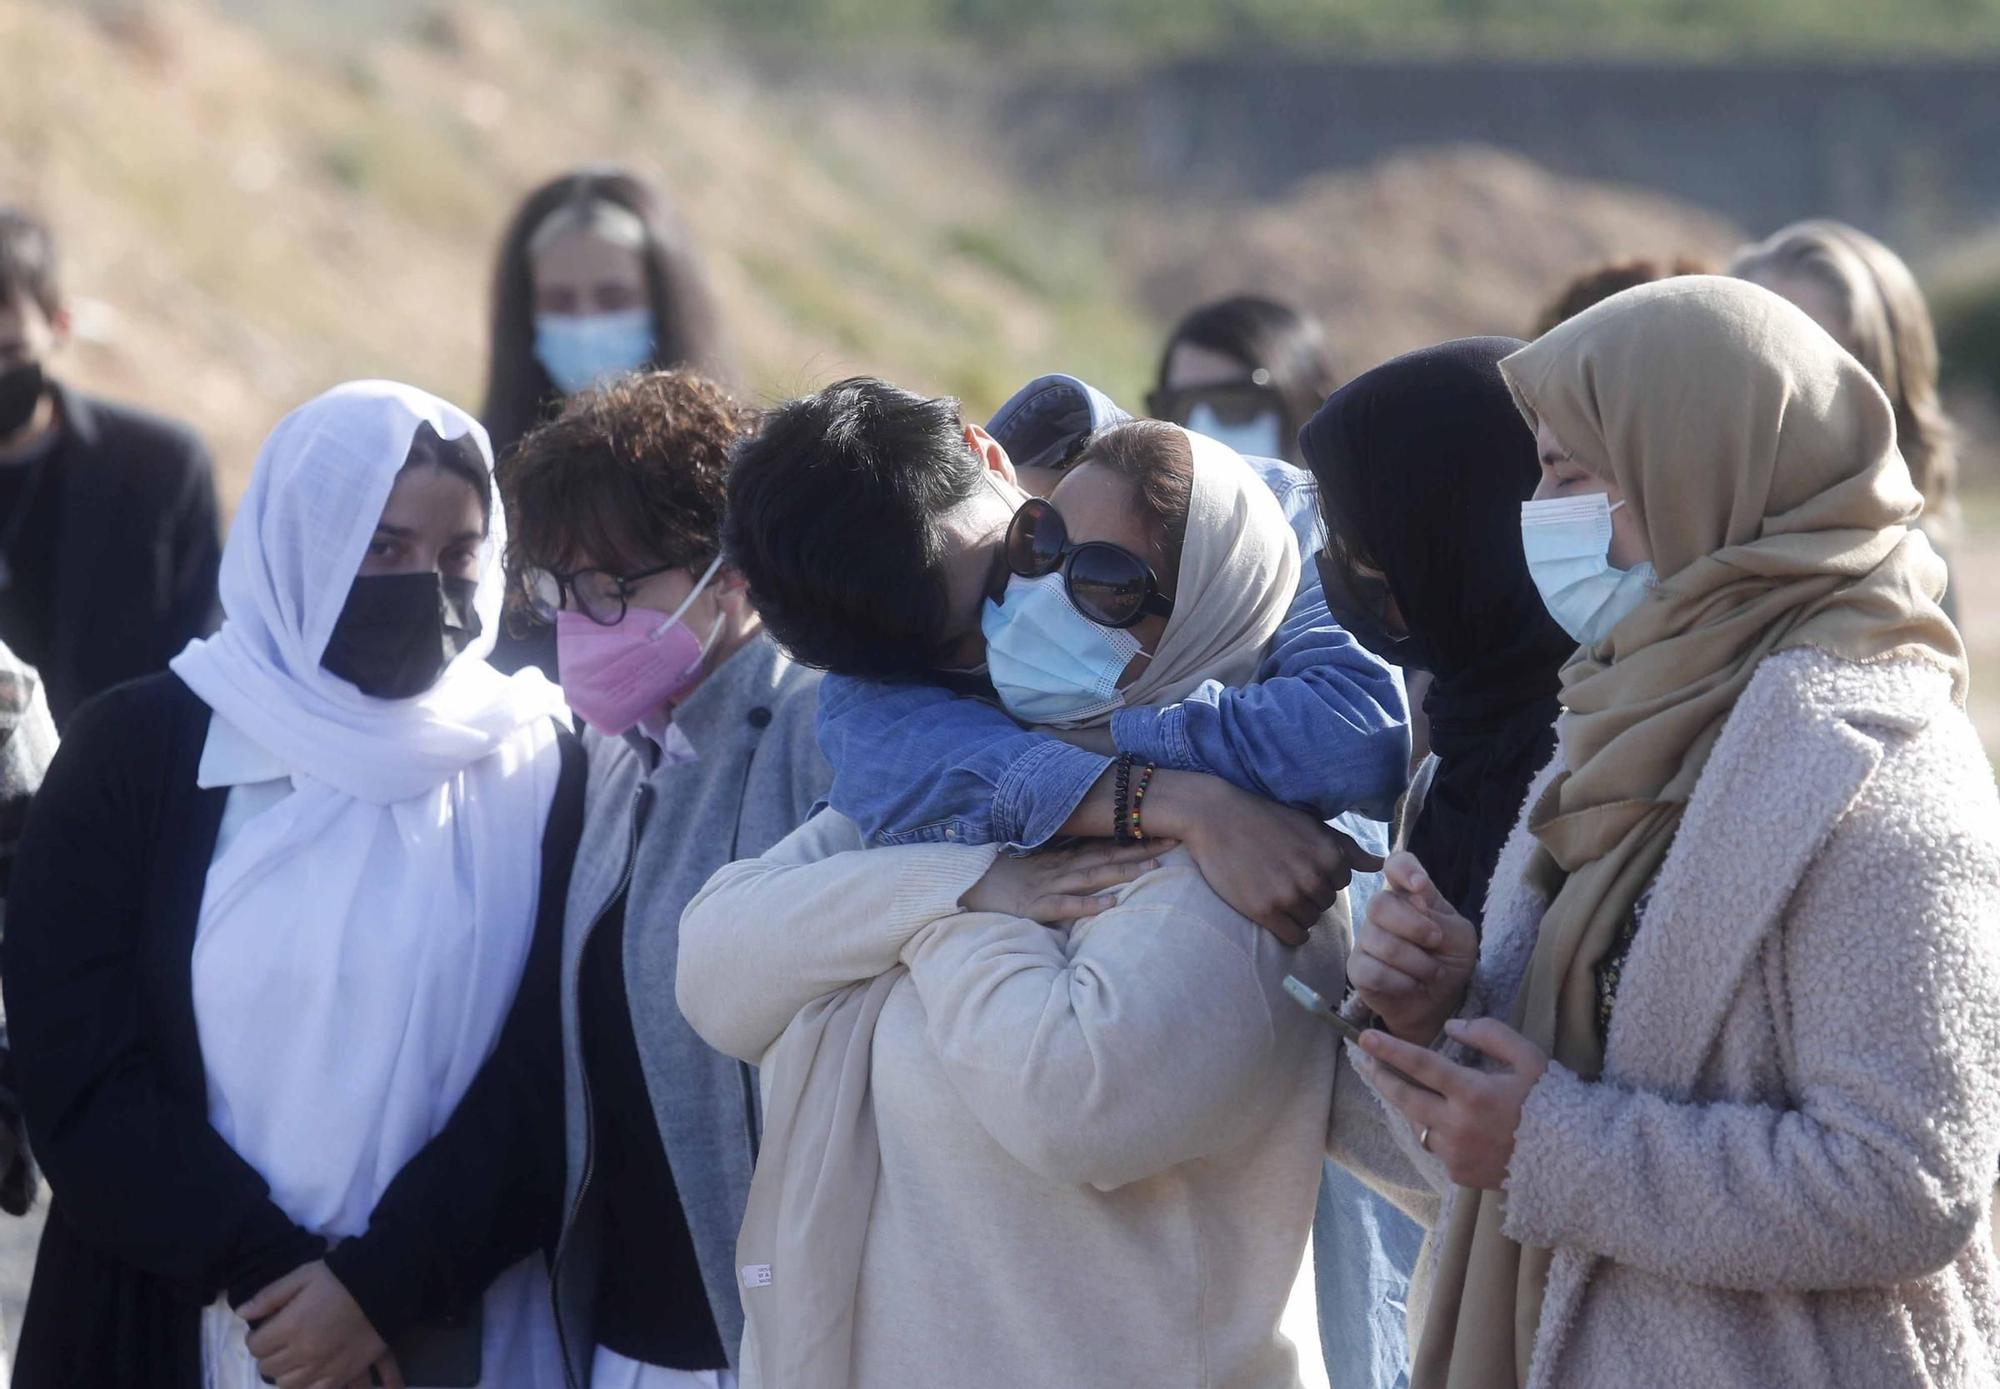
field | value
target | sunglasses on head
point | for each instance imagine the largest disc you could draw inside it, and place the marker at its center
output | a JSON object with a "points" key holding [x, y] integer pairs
{"points": [[1107, 583]]}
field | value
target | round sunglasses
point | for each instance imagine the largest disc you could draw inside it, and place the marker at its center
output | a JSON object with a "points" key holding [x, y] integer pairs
{"points": [[1107, 583]]}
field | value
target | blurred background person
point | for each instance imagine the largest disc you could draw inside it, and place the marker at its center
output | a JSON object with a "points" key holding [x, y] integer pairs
{"points": [[1247, 371], [109, 538], [1861, 292], [1250, 371], [597, 277], [1600, 282]]}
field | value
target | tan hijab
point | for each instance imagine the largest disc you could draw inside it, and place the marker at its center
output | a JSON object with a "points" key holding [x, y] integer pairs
{"points": [[1761, 460], [812, 1195]]}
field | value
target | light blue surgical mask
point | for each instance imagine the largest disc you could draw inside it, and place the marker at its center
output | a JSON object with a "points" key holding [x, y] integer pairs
{"points": [[1048, 662], [1260, 436], [1567, 541], [580, 350]]}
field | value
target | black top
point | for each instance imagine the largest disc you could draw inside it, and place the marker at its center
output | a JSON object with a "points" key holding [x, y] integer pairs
{"points": [[30, 503], [137, 544], [651, 1305], [535, 646], [1423, 463], [152, 1213]]}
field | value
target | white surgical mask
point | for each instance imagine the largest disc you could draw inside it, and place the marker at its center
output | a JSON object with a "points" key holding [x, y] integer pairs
{"points": [[1260, 436], [1567, 541], [1048, 662], [580, 350]]}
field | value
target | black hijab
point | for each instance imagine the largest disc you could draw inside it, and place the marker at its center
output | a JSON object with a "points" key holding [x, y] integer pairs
{"points": [[1423, 464]]}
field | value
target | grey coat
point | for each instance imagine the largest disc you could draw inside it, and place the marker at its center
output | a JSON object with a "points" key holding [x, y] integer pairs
{"points": [[666, 830]]}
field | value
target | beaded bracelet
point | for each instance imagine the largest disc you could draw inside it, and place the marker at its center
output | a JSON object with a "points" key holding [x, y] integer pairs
{"points": [[1121, 805], [1139, 802]]}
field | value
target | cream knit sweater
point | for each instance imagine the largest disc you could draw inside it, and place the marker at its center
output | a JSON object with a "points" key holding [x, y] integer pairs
{"points": [[1100, 1147]]}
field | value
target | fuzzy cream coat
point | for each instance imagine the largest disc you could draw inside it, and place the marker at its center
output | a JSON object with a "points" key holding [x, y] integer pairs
{"points": [[1785, 1176]]}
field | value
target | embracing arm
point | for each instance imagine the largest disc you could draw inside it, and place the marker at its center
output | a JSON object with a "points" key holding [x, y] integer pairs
{"points": [[1882, 1169], [1144, 1038], [1318, 690], [138, 1170], [913, 761], [766, 936]]}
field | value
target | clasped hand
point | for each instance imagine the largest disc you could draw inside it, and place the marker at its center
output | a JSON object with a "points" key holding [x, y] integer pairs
{"points": [[309, 1333]]}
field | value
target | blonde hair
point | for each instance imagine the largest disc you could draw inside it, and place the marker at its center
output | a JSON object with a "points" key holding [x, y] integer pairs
{"points": [[1887, 326]]}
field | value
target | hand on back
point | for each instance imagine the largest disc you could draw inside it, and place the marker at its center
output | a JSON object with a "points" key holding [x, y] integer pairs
{"points": [[1280, 867], [1059, 886]]}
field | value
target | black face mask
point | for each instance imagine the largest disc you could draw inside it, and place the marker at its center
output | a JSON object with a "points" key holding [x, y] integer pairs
{"points": [[21, 390], [397, 632]]}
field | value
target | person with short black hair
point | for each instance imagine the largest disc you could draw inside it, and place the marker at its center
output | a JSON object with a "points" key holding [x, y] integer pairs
{"points": [[109, 537], [974, 1062], [870, 523]]}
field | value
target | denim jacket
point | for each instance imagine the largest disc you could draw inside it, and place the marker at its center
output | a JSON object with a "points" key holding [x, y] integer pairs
{"points": [[1324, 728]]}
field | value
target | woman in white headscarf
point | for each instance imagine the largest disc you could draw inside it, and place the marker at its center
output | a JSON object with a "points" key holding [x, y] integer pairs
{"points": [[269, 916]]}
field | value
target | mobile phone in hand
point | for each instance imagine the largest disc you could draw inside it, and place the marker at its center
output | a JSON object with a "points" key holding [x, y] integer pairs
{"points": [[1308, 998]]}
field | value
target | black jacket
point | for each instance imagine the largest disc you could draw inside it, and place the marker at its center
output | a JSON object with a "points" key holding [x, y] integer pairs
{"points": [[153, 1215], [139, 548]]}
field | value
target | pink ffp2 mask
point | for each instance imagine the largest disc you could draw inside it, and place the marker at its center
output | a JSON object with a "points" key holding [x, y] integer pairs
{"points": [[614, 676]]}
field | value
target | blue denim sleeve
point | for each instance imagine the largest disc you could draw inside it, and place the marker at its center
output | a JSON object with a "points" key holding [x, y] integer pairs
{"points": [[915, 763], [1325, 728]]}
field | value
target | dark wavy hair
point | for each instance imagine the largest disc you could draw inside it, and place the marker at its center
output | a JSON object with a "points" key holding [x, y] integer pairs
{"points": [[627, 476], [686, 333]]}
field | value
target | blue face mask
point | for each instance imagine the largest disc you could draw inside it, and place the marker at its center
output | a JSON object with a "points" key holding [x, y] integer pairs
{"points": [[1261, 436], [1567, 541], [580, 350], [1048, 662]]}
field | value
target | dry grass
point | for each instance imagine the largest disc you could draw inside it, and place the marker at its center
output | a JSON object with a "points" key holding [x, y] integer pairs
{"points": [[251, 218], [1423, 247], [253, 213]]}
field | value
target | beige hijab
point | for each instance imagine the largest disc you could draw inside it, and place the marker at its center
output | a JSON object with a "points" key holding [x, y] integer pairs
{"points": [[1761, 460], [812, 1195]]}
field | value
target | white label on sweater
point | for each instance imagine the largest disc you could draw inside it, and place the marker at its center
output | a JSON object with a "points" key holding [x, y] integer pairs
{"points": [[756, 1275]]}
